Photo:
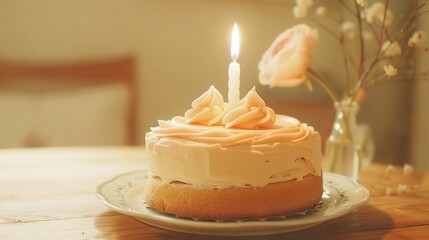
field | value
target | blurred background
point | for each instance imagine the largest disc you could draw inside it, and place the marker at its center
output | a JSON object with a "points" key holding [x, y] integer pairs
{"points": [[103, 72]]}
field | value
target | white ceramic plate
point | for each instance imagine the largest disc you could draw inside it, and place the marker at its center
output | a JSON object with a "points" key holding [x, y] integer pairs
{"points": [[341, 195]]}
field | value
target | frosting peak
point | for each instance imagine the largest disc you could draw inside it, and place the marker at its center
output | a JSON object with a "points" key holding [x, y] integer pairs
{"points": [[251, 113], [208, 109]]}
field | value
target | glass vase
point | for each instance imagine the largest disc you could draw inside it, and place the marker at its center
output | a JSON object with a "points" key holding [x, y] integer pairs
{"points": [[343, 153]]}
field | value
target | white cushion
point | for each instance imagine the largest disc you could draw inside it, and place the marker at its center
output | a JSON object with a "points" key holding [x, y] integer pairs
{"points": [[72, 116]]}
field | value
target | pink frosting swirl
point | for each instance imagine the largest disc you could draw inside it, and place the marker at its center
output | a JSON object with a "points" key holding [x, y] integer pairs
{"points": [[251, 113], [206, 110]]}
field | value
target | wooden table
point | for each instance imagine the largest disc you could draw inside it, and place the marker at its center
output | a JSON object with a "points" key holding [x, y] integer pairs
{"points": [[50, 194]]}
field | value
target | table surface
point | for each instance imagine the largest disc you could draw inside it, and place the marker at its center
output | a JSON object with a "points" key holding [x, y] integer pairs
{"points": [[50, 194]]}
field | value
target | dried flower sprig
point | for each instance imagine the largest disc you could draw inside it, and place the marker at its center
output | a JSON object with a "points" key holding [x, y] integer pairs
{"points": [[376, 46], [407, 169], [391, 187]]}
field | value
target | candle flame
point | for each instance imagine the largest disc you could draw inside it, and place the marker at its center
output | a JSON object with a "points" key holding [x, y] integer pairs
{"points": [[235, 43]]}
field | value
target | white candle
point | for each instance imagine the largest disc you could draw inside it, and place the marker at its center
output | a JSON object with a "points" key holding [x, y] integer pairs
{"points": [[234, 70]]}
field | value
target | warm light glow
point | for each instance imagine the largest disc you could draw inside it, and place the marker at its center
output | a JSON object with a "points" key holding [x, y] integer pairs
{"points": [[235, 43]]}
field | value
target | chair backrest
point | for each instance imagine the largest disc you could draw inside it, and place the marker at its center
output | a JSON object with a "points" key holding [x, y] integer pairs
{"points": [[53, 98]]}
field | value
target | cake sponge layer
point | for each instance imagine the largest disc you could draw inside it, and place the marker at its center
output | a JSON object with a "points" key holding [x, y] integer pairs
{"points": [[275, 199]]}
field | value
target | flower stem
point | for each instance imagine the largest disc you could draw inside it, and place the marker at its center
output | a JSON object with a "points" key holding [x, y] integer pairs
{"points": [[361, 40], [324, 83]]}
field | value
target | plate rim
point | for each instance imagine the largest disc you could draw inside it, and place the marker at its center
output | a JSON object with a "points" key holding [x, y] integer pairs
{"points": [[281, 226]]}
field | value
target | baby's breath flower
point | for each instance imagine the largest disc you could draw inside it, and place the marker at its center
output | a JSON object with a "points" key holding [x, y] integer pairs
{"points": [[349, 29], [388, 191], [299, 12], [402, 188], [407, 169], [390, 70], [389, 168], [301, 7], [321, 11], [304, 3], [391, 49], [416, 39], [376, 12], [362, 3]]}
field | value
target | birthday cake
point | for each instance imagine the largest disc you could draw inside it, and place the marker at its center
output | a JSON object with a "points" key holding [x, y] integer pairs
{"points": [[219, 162]]}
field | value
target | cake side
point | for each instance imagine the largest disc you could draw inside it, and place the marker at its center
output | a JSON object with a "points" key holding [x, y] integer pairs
{"points": [[233, 203], [232, 162], [256, 160]]}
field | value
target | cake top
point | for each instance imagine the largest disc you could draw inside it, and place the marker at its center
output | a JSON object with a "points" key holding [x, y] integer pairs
{"points": [[250, 122], [250, 113]]}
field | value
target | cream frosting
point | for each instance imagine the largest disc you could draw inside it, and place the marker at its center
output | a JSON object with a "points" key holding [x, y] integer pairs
{"points": [[207, 110], [255, 147], [251, 113], [287, 129], [244, 159]]}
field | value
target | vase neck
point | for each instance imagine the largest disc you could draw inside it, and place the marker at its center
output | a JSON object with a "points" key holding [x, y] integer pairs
{"points": [[347, 105], [345, 120], [343, 149]]}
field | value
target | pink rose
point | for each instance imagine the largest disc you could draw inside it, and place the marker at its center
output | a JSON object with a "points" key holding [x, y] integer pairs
{"points": [[286, 60]]}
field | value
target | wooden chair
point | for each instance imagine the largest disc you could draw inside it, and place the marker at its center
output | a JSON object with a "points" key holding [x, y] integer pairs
{"points": [[33, 81]]}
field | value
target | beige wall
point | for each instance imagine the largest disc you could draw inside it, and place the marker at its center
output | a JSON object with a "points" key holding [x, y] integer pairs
{"points": [[420, 144], [420, 123], [182, 47]]}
